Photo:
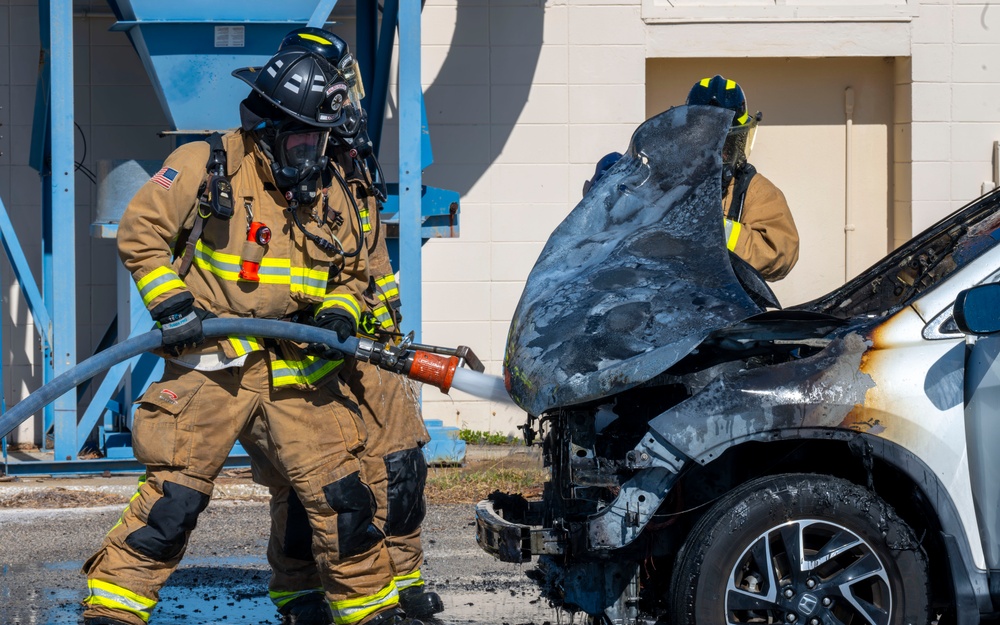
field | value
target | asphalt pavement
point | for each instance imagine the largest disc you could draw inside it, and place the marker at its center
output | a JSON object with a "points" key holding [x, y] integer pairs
{"points": [[223, 577]]}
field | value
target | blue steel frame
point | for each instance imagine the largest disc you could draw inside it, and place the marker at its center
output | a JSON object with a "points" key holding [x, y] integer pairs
{"points": [[52, 149], [411, 103], [52, 154]]}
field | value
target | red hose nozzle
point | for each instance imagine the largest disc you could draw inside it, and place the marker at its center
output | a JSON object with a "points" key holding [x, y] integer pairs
{"points": [[433, 369]]}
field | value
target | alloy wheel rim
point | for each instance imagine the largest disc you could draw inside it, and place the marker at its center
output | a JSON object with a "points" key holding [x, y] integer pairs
{"points": [[809, 572]]}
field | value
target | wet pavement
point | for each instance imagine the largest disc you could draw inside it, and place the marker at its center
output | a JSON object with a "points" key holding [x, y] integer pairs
{"points": [[223, 578]]}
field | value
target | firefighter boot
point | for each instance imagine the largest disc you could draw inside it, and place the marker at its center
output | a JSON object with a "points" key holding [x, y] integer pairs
{"points": [[310, 609], [392, 616], [420, 603]]}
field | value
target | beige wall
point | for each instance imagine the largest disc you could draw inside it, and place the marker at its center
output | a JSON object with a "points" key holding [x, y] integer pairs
{"points": [[523, 97]]}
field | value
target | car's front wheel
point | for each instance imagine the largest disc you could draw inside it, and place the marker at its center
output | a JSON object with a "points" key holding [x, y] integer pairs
{"points": [[802, 549]]}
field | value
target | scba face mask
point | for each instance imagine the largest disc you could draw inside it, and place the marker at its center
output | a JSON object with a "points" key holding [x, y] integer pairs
{"points": [[298, 162]]}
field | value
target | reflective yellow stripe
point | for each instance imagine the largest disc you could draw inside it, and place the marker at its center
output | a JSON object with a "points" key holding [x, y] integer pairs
{"points": [[704, 82], [384, 317], [366, 223], [111, 596], [310, 281], [354, 610], [243, 345], [306, 371], [412, 580], [315, 38], [275, 271], [272, 271], [730, 84], [345, 301], [732, 233], [226, 266], [157, 282], [387, 288], [280, 598], [121, 519], [742, 119]]}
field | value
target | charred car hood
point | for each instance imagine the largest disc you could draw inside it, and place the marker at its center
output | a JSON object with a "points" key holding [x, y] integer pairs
{"points": [[635, 276]]}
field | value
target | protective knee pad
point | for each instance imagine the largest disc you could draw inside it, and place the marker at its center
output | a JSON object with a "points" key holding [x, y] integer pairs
{"points": [[354, 504], [298, 532], [407, 471], [170, 521]]}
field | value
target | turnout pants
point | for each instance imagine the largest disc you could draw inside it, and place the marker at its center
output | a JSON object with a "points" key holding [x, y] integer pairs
{"points": [[184, 429], [394, 467]]}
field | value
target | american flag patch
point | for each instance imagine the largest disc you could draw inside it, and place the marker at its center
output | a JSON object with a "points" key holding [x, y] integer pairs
{"points": [[164, 177]]}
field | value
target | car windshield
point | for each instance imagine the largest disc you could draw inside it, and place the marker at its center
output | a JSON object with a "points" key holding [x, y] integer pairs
{"points": [[917, 266]]}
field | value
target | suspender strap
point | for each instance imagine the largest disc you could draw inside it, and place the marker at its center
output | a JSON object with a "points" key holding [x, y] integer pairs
{"points": [[216, 159], [743, 176], [189, 246]]}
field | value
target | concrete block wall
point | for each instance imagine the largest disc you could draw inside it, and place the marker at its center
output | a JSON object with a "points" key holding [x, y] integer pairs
{"points": [[955, 108], [523, 98]]}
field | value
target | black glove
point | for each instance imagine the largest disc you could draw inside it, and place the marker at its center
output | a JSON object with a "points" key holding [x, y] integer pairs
{"points": [[180, 323], [338, 321]]}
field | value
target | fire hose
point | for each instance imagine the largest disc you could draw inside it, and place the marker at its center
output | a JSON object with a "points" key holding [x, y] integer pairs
{"points": [[424, 366]]}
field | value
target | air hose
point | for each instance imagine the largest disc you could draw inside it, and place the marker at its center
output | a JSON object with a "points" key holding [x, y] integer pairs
{"points": [[363, 349]]}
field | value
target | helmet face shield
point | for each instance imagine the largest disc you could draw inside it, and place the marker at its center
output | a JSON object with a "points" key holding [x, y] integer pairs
{"points": [[348, 95], [351, 73], [739, 142]]}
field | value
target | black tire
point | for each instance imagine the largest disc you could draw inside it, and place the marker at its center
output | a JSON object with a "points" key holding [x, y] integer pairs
{"points": [[739, 563]]}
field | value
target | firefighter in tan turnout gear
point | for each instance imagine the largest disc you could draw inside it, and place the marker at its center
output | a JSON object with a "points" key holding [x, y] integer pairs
{"points": [[758, 223], [393, 461], [255, 238]]}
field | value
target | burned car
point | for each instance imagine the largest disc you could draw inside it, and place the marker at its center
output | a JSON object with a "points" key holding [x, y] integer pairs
{"points": [[716, 459]]}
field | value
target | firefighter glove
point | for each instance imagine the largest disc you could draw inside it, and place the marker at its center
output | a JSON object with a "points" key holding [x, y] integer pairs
{"points": [[180, 324], [335, 320]]}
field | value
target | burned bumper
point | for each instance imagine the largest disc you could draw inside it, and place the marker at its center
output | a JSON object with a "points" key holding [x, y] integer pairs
{"points": [[511, 541]]}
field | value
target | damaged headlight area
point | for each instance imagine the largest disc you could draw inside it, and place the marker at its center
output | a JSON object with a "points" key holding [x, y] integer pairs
{"points": [[614, 469]]}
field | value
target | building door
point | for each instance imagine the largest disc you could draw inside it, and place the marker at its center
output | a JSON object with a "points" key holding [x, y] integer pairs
{"points": [[825, 141]]}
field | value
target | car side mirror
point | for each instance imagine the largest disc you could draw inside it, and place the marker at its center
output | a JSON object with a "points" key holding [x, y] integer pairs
{"points": [[977, 310]]}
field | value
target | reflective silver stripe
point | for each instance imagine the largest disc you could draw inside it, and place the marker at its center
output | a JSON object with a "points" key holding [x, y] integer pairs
{"points": [[347, 302], [157, 282], [243, 345], [366, 224], [278, 271], [307, 371], [313, 283], [384, 318], [354, 610], [387, 287], [279, 598], [406, 581], [204, 258], [125, 601]]}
